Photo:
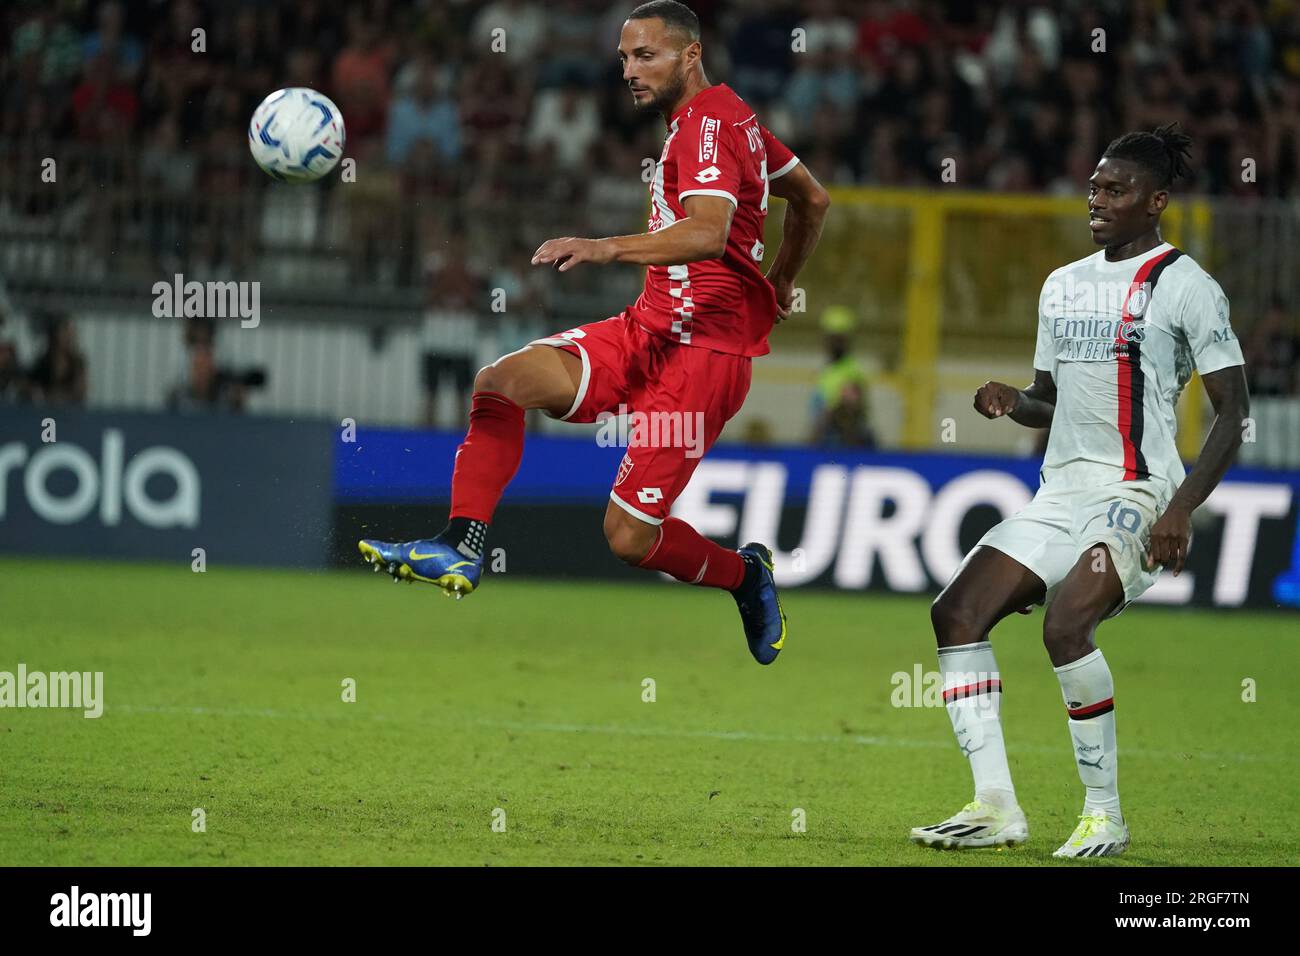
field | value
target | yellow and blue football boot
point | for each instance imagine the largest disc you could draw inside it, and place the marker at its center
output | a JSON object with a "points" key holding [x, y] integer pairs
{"points": [[430, 560], [759, 604]]}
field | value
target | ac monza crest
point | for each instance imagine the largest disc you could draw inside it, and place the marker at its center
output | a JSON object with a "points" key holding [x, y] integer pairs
{"points": [[624, 469]]}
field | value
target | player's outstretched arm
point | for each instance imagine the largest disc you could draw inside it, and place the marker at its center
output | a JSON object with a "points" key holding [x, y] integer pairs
{"points": [[805, 212], [701, 234], [1032, 407], [1171, 534]]}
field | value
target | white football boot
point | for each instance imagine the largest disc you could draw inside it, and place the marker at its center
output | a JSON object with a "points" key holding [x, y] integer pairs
{"points": [[977, 824], [1096, 835]]}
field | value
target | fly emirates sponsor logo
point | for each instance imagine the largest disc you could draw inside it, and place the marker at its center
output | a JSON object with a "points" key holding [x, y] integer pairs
{"points": [[1095, 320], [1095, 340]]}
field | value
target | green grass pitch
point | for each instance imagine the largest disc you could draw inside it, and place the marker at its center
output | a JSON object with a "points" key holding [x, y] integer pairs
{"points": [[224, 692]]}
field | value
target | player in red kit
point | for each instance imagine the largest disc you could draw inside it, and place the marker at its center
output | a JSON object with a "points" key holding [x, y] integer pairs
{"points": [[679, 356]]}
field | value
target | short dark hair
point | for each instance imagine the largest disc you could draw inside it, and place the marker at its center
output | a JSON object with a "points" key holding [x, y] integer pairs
{"points": [[676, 16], [1163, 152]]}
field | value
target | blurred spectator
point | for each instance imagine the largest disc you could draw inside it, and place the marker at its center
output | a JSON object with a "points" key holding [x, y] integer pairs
{"points": [[826, 28], [207, 388], [521, 310], [1272, 354], [492, 107], [200, 331], [758, 431], [52, 43], [826, 70], [840, 405], [456, 296], [515, 29], [615, 191], [566, 123], [109, 38], [360, 78], [1021, 33], [104, 105], [1079, 165], [760, 48], [253, 59], [1288, 42], [571, 38], [12, 382], [59, 375], [424, 114], [887, 28]]}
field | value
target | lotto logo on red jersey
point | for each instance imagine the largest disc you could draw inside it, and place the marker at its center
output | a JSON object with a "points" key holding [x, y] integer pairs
{"points": [[709, 128]]}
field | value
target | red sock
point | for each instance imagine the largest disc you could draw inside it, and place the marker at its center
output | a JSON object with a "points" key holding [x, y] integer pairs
{"points": [[488, 457], [689, 556]]}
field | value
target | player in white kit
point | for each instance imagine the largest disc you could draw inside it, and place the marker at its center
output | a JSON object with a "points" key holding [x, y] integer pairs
{"points": [[1119, 334]]}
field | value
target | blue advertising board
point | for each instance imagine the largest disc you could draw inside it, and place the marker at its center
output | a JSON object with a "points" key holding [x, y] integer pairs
{"points": [[849, 519], [148, 486]]}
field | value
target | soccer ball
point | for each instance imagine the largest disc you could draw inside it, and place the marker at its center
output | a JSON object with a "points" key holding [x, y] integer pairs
{"points": [[296, 135]]}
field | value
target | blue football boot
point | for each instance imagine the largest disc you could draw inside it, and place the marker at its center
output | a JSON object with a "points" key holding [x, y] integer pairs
{"points": [[429, 560], [759, 604]]}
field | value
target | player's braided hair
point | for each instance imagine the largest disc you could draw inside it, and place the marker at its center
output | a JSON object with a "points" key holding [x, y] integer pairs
{"points": [[1164, 152], [676, 16]]}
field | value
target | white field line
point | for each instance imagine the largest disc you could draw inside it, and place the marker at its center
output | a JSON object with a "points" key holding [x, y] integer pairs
{"points": [[544, 727]]}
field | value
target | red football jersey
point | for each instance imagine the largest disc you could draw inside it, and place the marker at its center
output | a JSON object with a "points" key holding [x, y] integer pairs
{"points": [[715, 147]]}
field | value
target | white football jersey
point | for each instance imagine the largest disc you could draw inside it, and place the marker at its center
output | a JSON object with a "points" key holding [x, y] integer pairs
{"points": [[1121, 340]]}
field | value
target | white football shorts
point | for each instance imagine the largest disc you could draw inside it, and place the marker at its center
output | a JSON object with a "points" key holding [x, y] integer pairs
{"points": [[1051, 533]]}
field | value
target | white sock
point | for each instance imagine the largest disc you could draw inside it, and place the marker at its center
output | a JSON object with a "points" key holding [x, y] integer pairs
{"points": [[1090, 700], [972, 692]]}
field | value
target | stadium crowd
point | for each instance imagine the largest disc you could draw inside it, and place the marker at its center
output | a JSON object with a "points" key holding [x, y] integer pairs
{"points": [[462, 107], [1022, 94]]}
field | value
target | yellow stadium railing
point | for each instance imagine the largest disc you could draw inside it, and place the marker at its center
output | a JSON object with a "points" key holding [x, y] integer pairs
{"points": [[936, 274]]}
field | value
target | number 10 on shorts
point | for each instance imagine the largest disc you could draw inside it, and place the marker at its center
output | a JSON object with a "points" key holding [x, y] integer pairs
{"points": [[1126, 518]]}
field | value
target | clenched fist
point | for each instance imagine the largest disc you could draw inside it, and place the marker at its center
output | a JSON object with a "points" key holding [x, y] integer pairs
{"points": [[994, 399]]}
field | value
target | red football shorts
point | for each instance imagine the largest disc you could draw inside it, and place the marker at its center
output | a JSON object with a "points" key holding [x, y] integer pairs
{"points": [[676, 399]]}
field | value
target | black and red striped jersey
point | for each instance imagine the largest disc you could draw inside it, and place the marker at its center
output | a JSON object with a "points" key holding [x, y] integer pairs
{"points": [[1121, 339]]}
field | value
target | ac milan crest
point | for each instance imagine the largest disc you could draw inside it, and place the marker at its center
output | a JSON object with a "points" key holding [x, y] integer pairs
{"points": [[1138, 299]]}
